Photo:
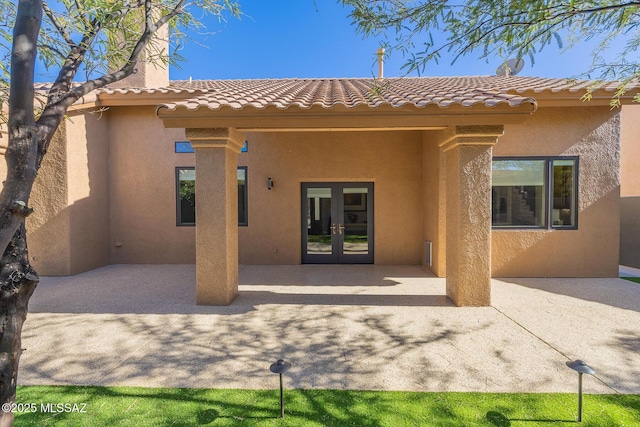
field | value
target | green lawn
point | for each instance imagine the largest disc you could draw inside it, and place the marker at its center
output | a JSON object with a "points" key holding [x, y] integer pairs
{"points": [[140, 407], [633, 279]]}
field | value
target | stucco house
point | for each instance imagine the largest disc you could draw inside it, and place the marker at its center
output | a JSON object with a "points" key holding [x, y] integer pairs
{"points": [[472, 177]]}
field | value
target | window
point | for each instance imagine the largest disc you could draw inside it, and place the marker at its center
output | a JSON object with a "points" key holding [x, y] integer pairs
{"points": [[535, 192], [183, 147], [242, 196], [186, 196]]}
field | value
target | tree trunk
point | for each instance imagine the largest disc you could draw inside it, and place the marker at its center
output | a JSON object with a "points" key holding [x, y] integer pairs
{"points": [[17, 283]]}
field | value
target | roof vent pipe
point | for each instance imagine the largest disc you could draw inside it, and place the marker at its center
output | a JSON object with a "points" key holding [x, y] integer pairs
{"points": [[380, 53]]}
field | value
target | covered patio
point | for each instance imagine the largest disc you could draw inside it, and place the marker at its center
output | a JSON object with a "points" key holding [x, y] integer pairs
{"points": [[459, 123]]}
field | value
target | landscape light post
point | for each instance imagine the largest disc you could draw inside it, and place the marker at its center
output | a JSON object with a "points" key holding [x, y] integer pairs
{"points": [[582, 368], [279, 368]]}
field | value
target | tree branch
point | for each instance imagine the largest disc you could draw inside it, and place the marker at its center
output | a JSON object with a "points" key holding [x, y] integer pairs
{"points": [[82, 16], [55, 110], [128, 68], [23, 54], [52, 49], [60, 28], [606, 8], [375, 16], [62, 96]]}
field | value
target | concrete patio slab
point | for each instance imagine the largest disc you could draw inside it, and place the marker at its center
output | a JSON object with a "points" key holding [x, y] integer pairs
{"points": [[345, 327]]}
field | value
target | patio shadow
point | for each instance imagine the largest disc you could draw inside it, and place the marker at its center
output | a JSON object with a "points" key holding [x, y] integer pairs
{"points": [[266, 297], [170, 289]]}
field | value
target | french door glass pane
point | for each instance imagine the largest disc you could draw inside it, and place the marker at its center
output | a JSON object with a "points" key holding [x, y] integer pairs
{"points": [[319, 221], [355, 238]]}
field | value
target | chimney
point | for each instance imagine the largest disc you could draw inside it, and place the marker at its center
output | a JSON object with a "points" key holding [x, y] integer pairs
{"points": [[148, 74], [380, 53]]}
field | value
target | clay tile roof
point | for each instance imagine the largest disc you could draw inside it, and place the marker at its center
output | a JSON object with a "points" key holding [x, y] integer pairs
{"points": [[351, 93], [419, 92]]}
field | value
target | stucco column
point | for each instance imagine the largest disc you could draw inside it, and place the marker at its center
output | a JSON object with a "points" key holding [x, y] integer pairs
{"points": [[216, 213], [468, 151]]}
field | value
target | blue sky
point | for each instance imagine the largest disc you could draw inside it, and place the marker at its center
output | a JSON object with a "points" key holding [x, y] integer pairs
{"points": [[307, 38], [303, 38]]}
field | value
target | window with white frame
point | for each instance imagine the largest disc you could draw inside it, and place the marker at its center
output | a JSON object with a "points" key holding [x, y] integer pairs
{"points": [[538, 192]]}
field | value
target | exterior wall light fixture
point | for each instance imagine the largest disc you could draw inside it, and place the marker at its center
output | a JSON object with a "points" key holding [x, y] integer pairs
{"points": [[582, 368]]}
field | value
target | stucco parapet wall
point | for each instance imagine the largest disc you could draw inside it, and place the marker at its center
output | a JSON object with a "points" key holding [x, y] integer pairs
{"points": [[216, 137], [456, 136]]}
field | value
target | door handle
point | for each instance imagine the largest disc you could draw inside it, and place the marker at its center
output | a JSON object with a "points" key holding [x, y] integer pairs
{"points": [[340, 228], [333, 229]]}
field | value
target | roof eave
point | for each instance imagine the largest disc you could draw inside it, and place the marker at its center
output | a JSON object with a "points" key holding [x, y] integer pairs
{"points": [[342, 118], [130, 99]]}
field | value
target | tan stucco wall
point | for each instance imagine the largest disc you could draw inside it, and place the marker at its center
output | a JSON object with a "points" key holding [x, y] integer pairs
{"points": [[142, 190], [217, 225], [630, 187], [48, 225], [630, 151], [434, 202], [468, 228], [135, 208], [392, 160], [591, 251], [88, 171], [124, 211], [69, 230]]}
